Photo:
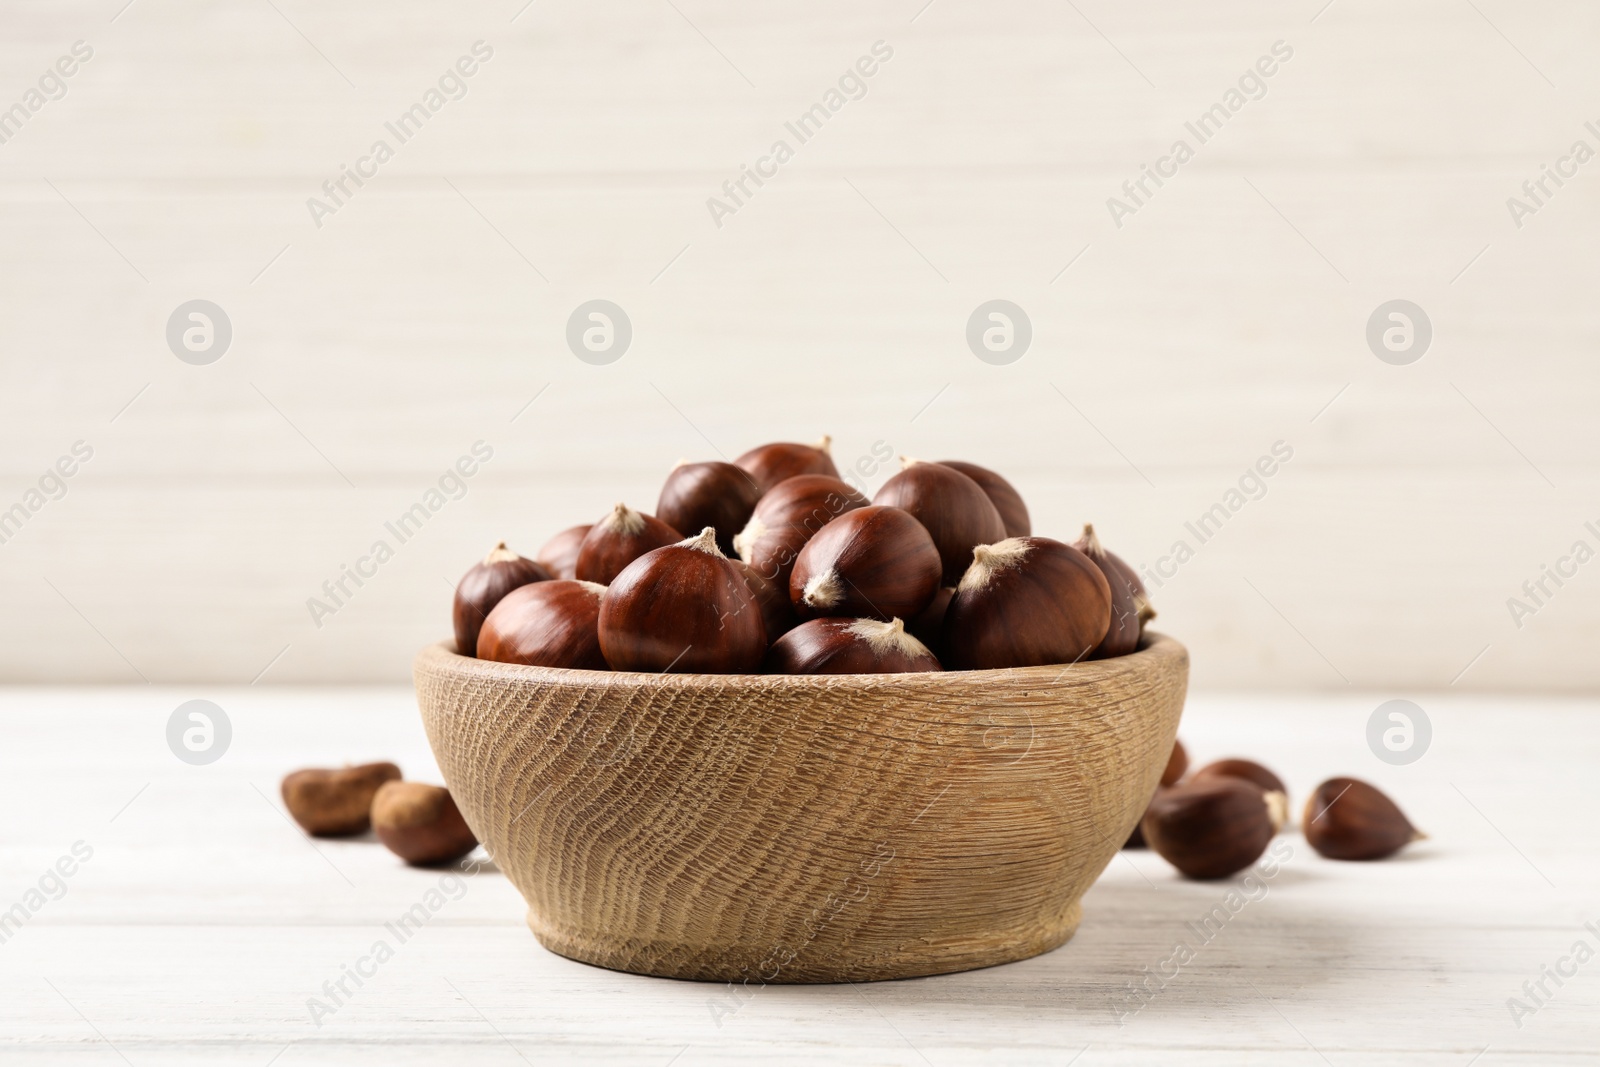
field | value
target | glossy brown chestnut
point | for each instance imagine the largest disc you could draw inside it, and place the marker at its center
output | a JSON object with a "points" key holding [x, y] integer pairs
{"points": [[928, 625], [1136, 838], [1249, 770], [421, 823], [335, 802], [1024, 602], [1171, 774], [1177, 763], [481, 588], [559, 555], [955, 510], [1001, 493], [782, 460], [873, 562], [715, 494], [777, 613], [618, 539], [682, 609], [1214, 828], [1130, 609], [787, 517], [546, 624], [849, 646], [1347, 819]]}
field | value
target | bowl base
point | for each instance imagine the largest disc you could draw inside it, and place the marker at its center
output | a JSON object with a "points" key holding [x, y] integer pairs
{"points": [[711, 963]]}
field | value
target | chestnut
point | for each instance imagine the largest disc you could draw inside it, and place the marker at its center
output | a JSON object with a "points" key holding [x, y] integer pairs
{"points": [[777, 613], [421, 823], [928, 624], [873, 562], [335, 802], [1177, 763], [682, 609], [786, 518], [1136, 838], [715, 494], [849, 646], [781, 460], [1347, 819], [1214, 828], [546, 624], [1130, 608], [618, 539], [1024, 602], [559, 555], [1249, 770], [955, 510], [1001, 493], [1171, 774], [481, 588]]}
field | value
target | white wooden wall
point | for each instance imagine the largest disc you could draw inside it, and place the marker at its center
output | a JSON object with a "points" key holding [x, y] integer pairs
{"points": [[1227, 314]]}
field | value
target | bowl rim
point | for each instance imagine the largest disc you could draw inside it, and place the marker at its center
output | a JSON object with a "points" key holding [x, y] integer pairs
{"points": [[1154, 650]]}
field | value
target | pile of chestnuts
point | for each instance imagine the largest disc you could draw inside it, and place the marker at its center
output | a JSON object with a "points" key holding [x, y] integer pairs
{"points": [[1220, 819], [774, 564]]}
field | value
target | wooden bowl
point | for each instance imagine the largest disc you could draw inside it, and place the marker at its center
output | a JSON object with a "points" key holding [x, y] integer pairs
{"points": [[780, 828]]}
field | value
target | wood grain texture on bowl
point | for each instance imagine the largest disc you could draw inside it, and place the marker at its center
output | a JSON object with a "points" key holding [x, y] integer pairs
{"points": [[803, 829]]}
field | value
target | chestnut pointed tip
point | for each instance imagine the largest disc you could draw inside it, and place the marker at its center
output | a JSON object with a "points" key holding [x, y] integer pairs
{"points": [[744, 541], [500, 554], [823, 591], [824, 444], [1142, 605], [1090, 541], [907, 462], [887, 637], [987, 560], [624, 520], [1277, 808], [704, 541]]}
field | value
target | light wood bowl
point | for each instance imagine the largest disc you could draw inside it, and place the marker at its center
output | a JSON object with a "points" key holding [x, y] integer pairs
{"points": [[779, 828]]}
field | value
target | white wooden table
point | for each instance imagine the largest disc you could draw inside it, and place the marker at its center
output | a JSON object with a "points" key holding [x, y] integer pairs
{"points": [[203, 921]]}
